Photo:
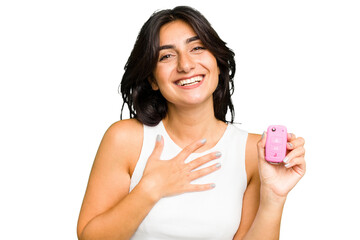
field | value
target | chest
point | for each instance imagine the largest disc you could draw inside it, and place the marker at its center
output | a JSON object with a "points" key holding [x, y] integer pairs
{"points": [[213, 214]]}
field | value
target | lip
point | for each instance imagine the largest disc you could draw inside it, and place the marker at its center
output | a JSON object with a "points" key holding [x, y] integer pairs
{"points": [[193, 85]]}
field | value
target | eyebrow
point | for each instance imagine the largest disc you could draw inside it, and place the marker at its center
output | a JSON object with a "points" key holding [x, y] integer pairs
{"points": [[189, 40]]}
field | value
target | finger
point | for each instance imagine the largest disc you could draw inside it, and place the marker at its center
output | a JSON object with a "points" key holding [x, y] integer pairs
{"points": [[159, 145], [298, 165], [200, 187], [261, 146], [291, 136], [185, 153], [297, 142], [202, 160], [204, 171], [297, 152]]}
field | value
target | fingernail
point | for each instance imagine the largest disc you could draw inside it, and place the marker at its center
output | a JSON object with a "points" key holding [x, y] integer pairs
{"points": [[158, 138], [218, 165], [290, 145], [203, 141], [262, 136], [286, 159], [218, 154], [213, 185], [287, 165]]}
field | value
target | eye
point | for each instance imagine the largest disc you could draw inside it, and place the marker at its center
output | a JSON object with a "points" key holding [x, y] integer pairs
{"points": [[164, 57], [198, 48]]}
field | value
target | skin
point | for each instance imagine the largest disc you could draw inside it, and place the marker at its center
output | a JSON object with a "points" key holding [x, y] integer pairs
{"points": [[109, 211]]}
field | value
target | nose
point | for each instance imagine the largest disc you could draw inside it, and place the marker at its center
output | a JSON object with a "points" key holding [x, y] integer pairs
{"points": [[185, 63]]}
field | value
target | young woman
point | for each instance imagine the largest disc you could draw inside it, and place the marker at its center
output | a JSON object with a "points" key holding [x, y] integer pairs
{"points": [[177, 169]]}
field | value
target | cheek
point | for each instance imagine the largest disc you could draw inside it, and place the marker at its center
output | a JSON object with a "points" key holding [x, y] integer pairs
{"points": [[210, 62], [161, 74]]}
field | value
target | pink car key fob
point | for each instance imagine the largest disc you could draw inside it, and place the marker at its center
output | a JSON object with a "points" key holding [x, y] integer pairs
{"points": [[275, 148]]}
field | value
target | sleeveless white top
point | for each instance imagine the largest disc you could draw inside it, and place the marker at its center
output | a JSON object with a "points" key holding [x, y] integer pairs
{"points": [[214, 214]]}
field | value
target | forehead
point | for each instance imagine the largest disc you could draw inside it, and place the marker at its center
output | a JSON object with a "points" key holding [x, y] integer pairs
{"points": [[175, 32]]}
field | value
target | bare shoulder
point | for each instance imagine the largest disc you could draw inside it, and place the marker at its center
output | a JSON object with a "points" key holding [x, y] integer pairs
{"points": [[251, 155], [125, 137], [129, 130]]}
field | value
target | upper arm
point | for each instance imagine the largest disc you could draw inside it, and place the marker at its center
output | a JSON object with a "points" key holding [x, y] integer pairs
{"points": [[251, 199], [109, 179]]}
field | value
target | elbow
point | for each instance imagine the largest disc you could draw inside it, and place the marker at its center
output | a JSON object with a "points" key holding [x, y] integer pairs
{"points": [[80, 232], [87, 231]]}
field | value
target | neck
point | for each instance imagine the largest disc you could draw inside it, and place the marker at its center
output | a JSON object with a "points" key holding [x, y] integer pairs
{"points": [[186, 125]]}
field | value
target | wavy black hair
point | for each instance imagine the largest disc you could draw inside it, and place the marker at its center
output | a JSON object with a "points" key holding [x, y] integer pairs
{"points": [[149, 106]]}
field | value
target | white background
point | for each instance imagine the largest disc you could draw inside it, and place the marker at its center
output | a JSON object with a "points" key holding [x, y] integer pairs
{"points": [[298, 64]]}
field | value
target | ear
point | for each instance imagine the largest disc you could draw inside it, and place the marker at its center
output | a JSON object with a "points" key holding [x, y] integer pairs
{"points": [[153, 83], [218, 70]]}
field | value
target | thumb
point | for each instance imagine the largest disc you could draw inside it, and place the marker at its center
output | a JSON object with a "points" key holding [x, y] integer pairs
{"points": [[159, 145]]}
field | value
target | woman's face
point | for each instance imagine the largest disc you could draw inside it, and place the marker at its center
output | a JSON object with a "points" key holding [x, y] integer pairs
{"points": [[186, 72]]}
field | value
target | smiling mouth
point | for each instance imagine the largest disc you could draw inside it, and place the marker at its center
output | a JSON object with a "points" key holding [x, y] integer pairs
{"points": [[190, 81]]}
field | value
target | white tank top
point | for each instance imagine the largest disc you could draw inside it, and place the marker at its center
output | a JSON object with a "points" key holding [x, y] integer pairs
{"points": [[212, 214]]}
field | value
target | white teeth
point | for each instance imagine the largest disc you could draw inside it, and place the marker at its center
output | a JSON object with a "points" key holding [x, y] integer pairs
{"points": [[190, 81]]}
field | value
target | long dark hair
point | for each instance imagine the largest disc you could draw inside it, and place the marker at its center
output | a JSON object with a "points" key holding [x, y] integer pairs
{"points": [[149, 106]]}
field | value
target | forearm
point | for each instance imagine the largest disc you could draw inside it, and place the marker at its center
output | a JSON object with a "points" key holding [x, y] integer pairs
{"points": [[121, 221], [266, 225]]}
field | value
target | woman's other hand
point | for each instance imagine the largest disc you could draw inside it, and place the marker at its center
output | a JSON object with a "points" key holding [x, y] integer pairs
{"points": [[280, 179]]}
